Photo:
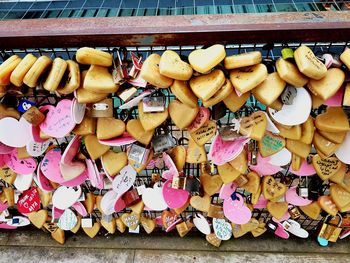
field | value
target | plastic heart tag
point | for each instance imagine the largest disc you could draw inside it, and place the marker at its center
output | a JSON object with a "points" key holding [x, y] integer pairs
{"points": [[227, 190], [36, 149], [4, 149], [294, 228], [20, 166], [94, 176], [15, 133], [108, 201], [64, 197], [42, 182], [281, 158], [124, 180], [222, 229], [23, 181], [236, 211], [222, 152], [80, 208], [58, 122], [29, 201], [119, 205], [122, 140], [293, 198], [153, 198], [68, 220], [172, 172], [264, 167], [77, 111], [174, 198], [201, 118], [201, 224], [71, 150]]}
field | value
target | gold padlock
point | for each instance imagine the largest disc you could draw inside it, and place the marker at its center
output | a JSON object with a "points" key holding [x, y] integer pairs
{"points": [[294, 213], [331, 232]]}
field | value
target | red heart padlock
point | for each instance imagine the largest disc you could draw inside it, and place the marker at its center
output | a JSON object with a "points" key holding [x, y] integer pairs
{"points": [[29, 201]]}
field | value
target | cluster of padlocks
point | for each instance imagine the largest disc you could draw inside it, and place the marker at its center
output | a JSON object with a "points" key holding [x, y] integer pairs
{"points": [[77, 135]]}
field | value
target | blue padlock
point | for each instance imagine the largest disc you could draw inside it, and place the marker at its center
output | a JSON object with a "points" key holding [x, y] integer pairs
{"points": [[24, 105]]}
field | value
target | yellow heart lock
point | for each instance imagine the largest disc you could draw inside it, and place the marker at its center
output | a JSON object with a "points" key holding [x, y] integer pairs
{"points": [[120, 225], [254, 126], [136, 130], [182, 114], [205, 86], [38, 218], [150, 72], [312, 210], [240, 163], [329, 85], [94, 148], [114, 162], [183, 93], [261, 229], [272, 189], [211, 183], [234, 102], [108, 128], [148, 224], [71, 80], [138, 207], [21, 69], [59, 236], [220, 95], [253, 183], [131, 220], [328, 205], [76, 228], [213, 240], [271, 144], [178, 211], [88, 56], [110, 225], [333, 120], [99, 80], [204, 133], [39, 67], [270, 89], [339, 176], [228, 173], [340, 197], [195, 153], [86, 96], [242, 60], [201, 203], [326, 147], [55, 75], [178, 155], [203, 60], [346, 181], [246, 79], [299, 148], [7, 175], [45, 198], [172, 66], [334, 137], [277, 209], [92, 231], [151, 120], [86, 127], [293, 133], [296, 162], [89, 202], [325, 168], [307, 131], [290, 73], [308, 63]]}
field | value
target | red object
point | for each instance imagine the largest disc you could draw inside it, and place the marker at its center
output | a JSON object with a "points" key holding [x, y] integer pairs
{"points": [[29, 201]]}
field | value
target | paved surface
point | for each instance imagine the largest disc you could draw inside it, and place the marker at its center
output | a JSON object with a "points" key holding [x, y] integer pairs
{"points": [[36, 246]]}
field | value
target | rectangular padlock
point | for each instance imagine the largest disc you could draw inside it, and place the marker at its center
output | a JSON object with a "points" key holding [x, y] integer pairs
{"points": [[162, 143], [103, 108], [138, 153], [154, 104]]}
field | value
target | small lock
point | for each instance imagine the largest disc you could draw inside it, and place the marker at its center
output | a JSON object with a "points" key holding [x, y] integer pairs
{"points": [[154, 104], [135, 66], [162, 143], [24, 105], [288, 95], [294, 212], [218, 111], [216, 211], [34, 116], [103, 108], [131, 197], [182, 228], [126, 94], [241, 180], [120, 68], [138, 153], [179, 182], [271, 226], [87, 222], [230, 133], [155, 177], [303, 187], [253, 151], [331, 232], [193, 185]]}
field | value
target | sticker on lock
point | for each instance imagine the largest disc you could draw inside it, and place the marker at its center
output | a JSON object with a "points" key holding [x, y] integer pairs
{"points": [[103, 108]]}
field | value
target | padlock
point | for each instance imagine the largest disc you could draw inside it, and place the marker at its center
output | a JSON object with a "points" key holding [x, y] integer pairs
{"points": [[153, 104], [131, 197], [120, 68], [303, 186], [193, 185], [253, 151], [294, 212], [135, 65], [230, 132], [155, 177], [138, 153], [330, 232], [179, 182], [216, 211], [103, 108], [162, 141], [241, 180]]}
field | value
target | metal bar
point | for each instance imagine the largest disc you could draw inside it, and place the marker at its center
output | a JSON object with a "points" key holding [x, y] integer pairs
{"points": [[170, 30]]}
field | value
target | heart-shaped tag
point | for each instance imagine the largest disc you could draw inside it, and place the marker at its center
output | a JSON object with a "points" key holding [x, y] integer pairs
{"points": [[201, 118], [183, 93], [136, 130], [325, 168], [58, 122], [133, 102], [172, 172], [131, 220], [195, 153], [150, 72], [80, 208], [15, 133], [201, 203], [221, 151], [20, 166], [168, 218], [211, 183], [92, 231], [254, 126], [213, 239], [94, 147], [328, 205], [18, 221], [38, 218], [148, 224], [290, 73], [36, 149], [78, 111], [253, 183], [333, 120], [202, 135], [264, 167], [222, 229], [23, 181], [270, 89], [7, 175], [108, 202], [295, 113], [228, 173], [114, 162], [93, 174], [65, 197], [124, 180], [151, 120], [305, 169], [294, 228], [68, 220], [277, 209], [227, 190], [178, 156], [203, 60], [271, 144], [201, 224], [205, 86], [182, 114], [281, 158], [99, 80], [29, 201], [293, 198], [121, 140], [174, 198], [236, 211], [153, 198], [272, 189], [172, 66], [108, 128], [312, 210], [339, 196]]}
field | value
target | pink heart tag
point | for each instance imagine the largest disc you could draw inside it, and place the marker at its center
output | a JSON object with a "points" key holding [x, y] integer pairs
{"points": [[2, 161], [306, 169], [76, 181], [4, 149], [71, 150], [227, 190], [122, 140], [57, 213], [58, 122], [173, 225], [29, 201], [201, 118], [293, 198], [3, 206], [222, 152], [20, 166], [262, 202], [94, 176], [336, 100], [80, 208], [174, 198], [119, 205], [42, 182], [4, 225], [263, 167], [172, 172], [281, 232], [35, 134], [236, 211]]}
